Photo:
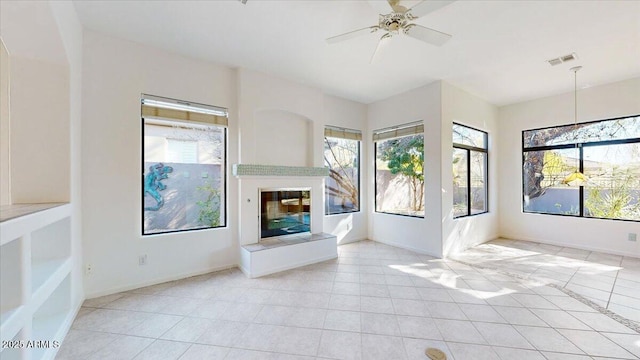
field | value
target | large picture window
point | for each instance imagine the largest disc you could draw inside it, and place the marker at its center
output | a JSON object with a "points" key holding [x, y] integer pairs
{"points": [[342, 157], [607, 152], [469, 171], [183, 169], [399, 168]]}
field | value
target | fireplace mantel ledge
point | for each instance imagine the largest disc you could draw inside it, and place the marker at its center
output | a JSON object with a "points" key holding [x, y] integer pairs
{"points": [[275, 170]]}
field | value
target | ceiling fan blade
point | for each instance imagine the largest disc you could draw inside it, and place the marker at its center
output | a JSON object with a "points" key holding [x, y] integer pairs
{"points": [[352, 34], [427, 35], [427, 6], [381, 43], [381, 6]]}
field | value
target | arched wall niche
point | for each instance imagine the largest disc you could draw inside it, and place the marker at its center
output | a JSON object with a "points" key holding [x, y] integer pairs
{"points": [[283, 138]]}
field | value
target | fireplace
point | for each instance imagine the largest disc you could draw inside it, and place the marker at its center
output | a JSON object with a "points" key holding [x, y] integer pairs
{"points": [[284, 211], [281, 218]]}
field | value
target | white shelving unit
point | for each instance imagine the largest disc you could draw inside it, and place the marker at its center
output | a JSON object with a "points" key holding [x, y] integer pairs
{"points": [[36, 279]]}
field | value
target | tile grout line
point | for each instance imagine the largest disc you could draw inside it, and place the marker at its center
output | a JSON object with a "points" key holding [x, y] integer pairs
{"points": [[331, 293], [613, 288], [577, 271], [622, 320]]}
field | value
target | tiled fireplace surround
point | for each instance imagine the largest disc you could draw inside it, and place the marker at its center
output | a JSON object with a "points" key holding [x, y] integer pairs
{"points": [[258, 260]]}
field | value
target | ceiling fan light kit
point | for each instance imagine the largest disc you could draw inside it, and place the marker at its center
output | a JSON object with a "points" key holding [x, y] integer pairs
{"points": [[399, 20]]}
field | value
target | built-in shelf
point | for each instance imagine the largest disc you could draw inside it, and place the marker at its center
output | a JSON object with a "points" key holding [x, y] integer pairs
{"points": [[47, 274], [16, 227], [36, 277], [11, 275], [12, 322], [50, 318], [8, 212], [13, 353], [6, 315]]}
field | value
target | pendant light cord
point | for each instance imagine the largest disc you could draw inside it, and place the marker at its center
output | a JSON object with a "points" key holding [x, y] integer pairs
{"points": [[575, 102]]}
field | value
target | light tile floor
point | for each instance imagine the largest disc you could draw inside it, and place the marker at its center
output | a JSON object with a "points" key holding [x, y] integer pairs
{"points": [[374, 302], [610, 281]]}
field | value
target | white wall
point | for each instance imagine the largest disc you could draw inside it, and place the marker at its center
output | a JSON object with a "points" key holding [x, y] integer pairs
{"points": [[39, 103], [115, 73], [284, 138], [463, 108], [597, 103], [40, 130], [273, 107], [71, 34], [5, 128], [349, 114], [258, 94], [420, 234]]}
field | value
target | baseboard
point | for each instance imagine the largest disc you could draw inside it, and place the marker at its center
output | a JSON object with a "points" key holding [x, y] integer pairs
{"points": [[156, 281], [351, 241], [411, 248], [557, 243], [469, 246]]}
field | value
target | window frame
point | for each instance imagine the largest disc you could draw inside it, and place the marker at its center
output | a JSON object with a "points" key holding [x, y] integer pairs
{"points": [[580, 146], [359, 178], [418, 125], [225, 188], [469, 149]]}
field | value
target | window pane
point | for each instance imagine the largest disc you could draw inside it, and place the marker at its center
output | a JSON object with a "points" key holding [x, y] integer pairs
{"points": [[467, 136], [182, 151], [618, 129], [460, 186], [400, 176], [342, 188], [478, 182], [613, 188], [183, 176], [543, 173]]}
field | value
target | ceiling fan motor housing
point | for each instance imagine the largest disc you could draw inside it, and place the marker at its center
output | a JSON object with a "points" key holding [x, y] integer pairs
{"points": [[393, 22]]}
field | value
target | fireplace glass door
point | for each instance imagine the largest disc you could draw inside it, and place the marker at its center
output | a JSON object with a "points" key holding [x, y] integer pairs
{"points": [[284, 212]]}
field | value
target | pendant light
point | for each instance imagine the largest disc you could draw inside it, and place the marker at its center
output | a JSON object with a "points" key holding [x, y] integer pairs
{"points": [[576, 178]]}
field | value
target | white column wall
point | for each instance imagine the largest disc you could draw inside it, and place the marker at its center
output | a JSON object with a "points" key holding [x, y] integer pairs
{"points": [[423, 235], [71, 33], [349, 114], [463, 108]]}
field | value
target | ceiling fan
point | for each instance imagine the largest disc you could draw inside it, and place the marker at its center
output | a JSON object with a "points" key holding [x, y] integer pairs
{"points": [[395, 19]]}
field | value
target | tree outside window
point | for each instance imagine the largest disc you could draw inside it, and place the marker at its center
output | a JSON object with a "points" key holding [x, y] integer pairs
{"points": [[342, 187], [607, 152], [399, 170]]}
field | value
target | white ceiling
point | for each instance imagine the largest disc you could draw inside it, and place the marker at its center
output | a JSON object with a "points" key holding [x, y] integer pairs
{"points": [[498, 50]]}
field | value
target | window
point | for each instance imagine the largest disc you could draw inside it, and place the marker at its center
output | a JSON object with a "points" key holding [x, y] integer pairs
{"points": [[342, 157], [399, 170], [182, 151], [607, 152], [469, 171], [184, 166]]}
